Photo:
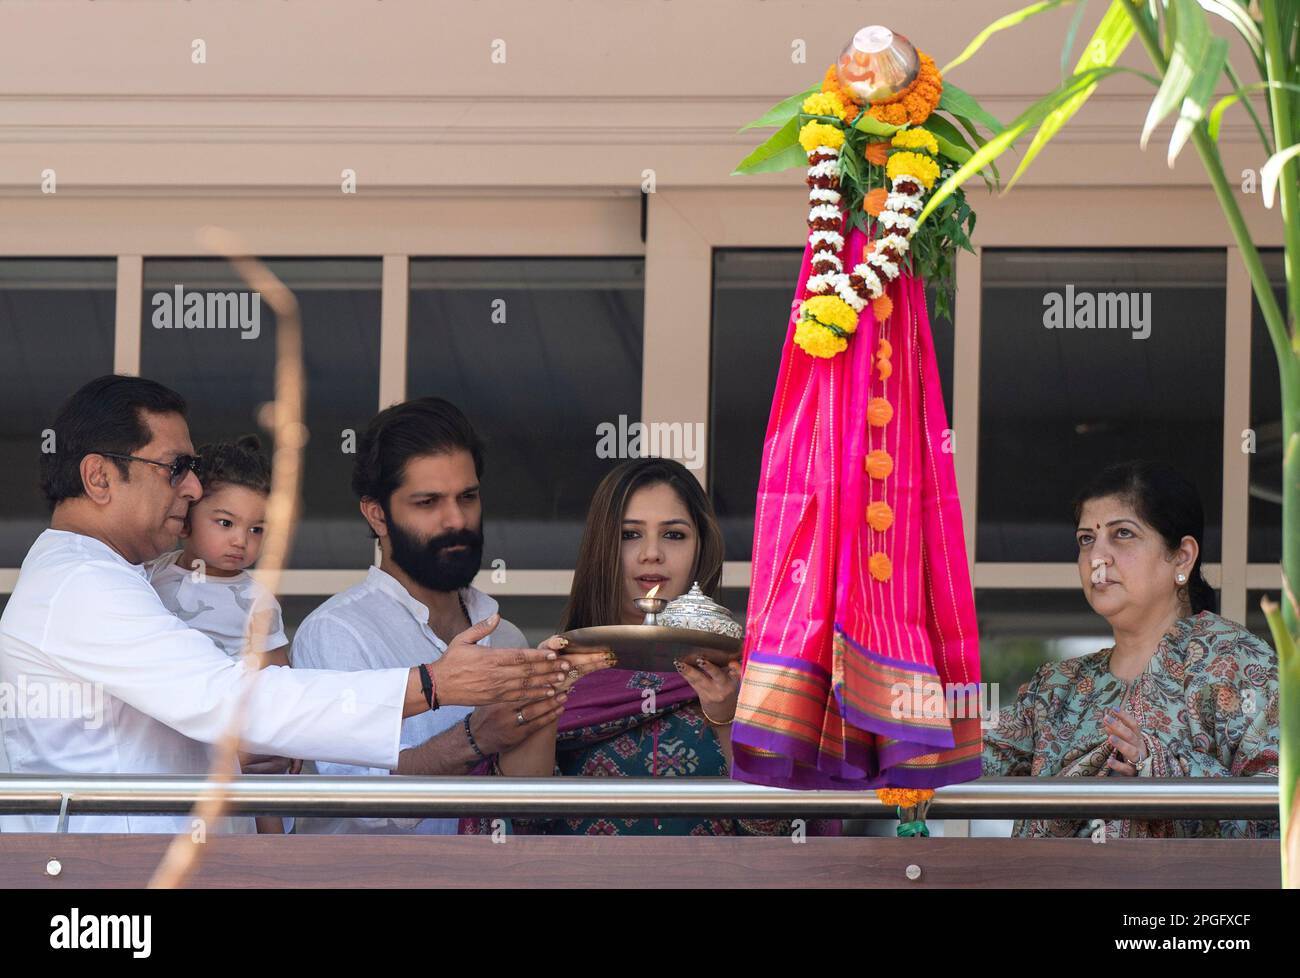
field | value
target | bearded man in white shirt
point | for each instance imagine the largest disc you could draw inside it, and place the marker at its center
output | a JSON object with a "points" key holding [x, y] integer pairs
{"points": [[83, 615], [417, 479]]}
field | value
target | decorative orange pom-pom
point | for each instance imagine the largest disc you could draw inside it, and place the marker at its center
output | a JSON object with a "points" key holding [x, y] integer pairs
{"points": [[885, 368], [877, 152], [880, 566], [873, 202], [879, 412], [880, 516], [879, 464], [882, 306], [884, 349]]}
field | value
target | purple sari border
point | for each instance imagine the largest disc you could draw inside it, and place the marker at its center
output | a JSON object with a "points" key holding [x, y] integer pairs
{"points": [[928, 736], [789, 662], [884, 659], [786, 774]]}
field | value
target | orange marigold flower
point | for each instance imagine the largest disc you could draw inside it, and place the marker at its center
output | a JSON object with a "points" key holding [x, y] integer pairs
{"points": [[880, 516], [882, 306], [831, 83], [915, 102], [879, 464], [881, 567], [892, 113], [885, 368], [878, 152], [904, 797], [879, 412], [873, 202]]}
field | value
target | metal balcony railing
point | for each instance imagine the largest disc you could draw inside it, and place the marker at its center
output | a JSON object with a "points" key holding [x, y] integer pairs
{"points": [[415, 797]]}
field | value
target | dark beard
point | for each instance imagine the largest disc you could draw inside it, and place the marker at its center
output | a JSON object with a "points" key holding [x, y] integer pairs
{"points": [[429, 565]]}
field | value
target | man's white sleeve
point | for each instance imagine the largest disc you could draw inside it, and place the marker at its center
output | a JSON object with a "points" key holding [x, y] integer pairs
{"points": [[113, 630]]}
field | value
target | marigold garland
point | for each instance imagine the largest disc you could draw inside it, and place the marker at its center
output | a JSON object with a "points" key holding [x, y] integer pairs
{"points": [[912, 805], [916, 139], [823, 328], [904, 797], [916, 102], [814, 134], [831, 84], [922, 167], [830, 103]]}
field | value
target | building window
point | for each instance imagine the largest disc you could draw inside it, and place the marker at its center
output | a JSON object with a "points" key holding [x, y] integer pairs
{"points": [[1021, 629], [1265, 544], [1059, 404], [542, 355], [1255, 620], [56, 333], [226, 371], [752, 291]]}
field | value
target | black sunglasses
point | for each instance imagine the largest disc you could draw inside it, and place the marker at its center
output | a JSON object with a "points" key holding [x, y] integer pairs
{"points": [[176, 468]]}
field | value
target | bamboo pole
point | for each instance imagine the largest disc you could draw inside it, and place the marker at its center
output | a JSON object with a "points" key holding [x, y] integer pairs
{"points": [[283, 417]]}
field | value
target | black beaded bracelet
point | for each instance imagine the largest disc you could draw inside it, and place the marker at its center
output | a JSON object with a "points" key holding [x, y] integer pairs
{"points": [[469, 735]]}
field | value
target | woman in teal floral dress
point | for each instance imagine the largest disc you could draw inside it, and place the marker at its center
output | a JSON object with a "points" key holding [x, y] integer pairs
{"points": [[1180, 693]]}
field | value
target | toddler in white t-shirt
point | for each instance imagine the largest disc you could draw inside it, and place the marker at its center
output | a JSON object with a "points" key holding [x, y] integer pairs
{"points": [[206, 583]]}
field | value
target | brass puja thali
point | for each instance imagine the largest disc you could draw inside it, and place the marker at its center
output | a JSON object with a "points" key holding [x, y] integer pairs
{"points": [[653, 648], [689, 627]]}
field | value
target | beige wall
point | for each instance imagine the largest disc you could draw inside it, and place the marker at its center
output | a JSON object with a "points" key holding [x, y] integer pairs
{"points": [[405, 91], [449, 146]]}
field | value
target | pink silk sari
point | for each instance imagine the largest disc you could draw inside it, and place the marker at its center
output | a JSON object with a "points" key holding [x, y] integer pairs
{"points": [[834, 658]]}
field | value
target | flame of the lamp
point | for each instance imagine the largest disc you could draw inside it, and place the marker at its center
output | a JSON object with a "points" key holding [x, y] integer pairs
{"points": [[653, 591]]}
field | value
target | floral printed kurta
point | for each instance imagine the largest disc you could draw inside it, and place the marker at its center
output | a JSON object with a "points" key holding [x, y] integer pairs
{"points": [[1207, 705]]}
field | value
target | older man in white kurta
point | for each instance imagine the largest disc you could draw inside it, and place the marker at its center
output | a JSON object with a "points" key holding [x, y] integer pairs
{"points": [[83, 613]]}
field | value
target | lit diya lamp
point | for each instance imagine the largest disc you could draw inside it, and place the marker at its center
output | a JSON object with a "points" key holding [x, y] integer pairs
{"points": [[651, 605]]}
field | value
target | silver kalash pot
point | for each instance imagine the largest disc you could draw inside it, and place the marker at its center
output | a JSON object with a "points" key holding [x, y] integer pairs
{"points": [[698, 611]]}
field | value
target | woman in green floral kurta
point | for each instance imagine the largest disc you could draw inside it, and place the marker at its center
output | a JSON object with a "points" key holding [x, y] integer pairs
{"points": [[1180, 693]]}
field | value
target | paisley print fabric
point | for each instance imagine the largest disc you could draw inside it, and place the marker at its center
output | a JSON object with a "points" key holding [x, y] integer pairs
{"points": [[1207, 705]]}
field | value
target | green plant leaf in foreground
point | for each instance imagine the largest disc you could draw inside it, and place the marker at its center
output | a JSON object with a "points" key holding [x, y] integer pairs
{"points": [[1191, 45], [1107, 43], [1198, 96], [1271, 170], [1031, 117], [782, 112], [957, 102], [1001, 24], [1221, 106], [952, 143], [1288, 668], [780, 151], [875, 127]]}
